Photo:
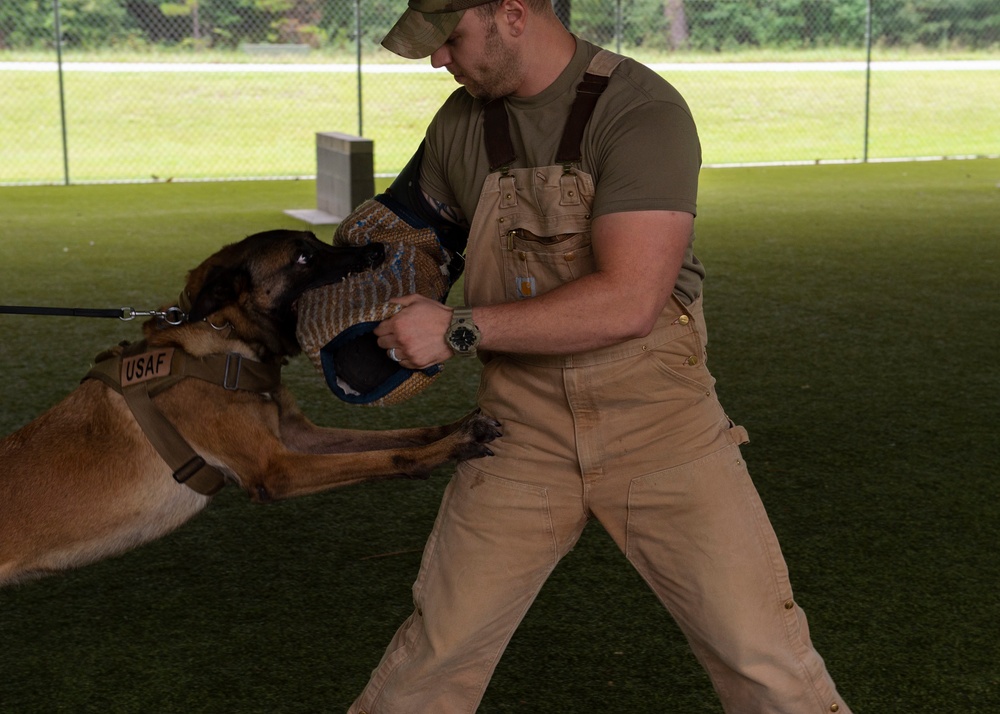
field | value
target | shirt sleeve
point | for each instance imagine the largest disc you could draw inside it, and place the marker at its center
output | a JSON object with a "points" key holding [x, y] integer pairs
{"points": [[648, 159]]}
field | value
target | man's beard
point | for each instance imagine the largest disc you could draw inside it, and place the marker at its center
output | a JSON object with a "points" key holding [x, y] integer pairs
{"points": [[501, 72]]}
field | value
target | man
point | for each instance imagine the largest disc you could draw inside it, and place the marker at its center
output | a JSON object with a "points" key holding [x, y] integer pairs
{"points": [[585, 304]]}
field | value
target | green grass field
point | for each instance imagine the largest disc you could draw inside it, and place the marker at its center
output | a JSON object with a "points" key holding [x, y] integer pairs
{"points": [[121, 126], [853, 313]]}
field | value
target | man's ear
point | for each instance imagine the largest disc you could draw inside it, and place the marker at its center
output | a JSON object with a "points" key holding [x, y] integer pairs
{"points": [[222, 287], [512, 14]]}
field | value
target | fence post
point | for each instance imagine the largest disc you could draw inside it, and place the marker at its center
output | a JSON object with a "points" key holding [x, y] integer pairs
{"points": [[345, 177], [357, 42], [62, 93], [619, 26], [868, 76]]}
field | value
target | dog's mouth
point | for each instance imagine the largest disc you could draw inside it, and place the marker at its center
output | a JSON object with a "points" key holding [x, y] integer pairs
{"points": [[373, 255], [365, 258]]}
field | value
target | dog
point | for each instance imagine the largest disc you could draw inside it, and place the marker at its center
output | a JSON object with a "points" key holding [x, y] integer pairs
{"points": [[90, 478]]}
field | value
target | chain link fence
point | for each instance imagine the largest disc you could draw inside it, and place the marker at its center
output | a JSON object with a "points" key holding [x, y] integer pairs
{"points": [[139, 90]]}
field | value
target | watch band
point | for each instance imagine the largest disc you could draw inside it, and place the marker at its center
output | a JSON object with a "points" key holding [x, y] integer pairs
{"points": [[463, 335]]}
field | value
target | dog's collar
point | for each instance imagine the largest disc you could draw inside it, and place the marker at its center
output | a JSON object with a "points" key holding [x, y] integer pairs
{"points": [[139, 372], [184, 302]]}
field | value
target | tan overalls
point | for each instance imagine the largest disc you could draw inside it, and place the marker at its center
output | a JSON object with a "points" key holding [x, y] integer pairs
{"points": [[632, 435]]}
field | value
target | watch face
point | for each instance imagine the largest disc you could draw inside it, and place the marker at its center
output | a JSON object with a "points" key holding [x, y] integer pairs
{"points": [[463, 339]]}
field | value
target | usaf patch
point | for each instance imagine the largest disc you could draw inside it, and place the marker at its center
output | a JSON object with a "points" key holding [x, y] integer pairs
{"points": [[148, 365]]}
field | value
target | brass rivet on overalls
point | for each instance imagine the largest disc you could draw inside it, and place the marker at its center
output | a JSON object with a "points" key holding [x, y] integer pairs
{"points": [[569, 256], [789, 604], [507, 197], [501, 220], [683, 319], [835, 707], [522, 255], [571, 194], [692, 360]]}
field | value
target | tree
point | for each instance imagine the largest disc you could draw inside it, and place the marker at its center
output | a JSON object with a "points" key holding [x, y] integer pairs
{"points": [[677, 27], [183, 9]]}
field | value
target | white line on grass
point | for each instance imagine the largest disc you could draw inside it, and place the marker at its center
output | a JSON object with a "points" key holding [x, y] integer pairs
{"points": [[202, 67]]}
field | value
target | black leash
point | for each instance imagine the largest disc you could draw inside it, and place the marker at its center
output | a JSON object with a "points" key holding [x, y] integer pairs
{"points": [[172, 315]]}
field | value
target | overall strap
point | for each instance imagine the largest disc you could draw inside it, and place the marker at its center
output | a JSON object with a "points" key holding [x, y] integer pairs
{"points": [[499, 147], [496, 128], [595, 81]]}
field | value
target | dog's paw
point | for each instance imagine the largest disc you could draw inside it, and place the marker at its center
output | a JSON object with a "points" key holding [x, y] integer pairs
{"points": [[467, 440], [474, 433]]}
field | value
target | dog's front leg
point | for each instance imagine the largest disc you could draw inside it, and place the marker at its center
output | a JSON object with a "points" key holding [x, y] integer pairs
{"points": [[300, 434], [281, 473]]}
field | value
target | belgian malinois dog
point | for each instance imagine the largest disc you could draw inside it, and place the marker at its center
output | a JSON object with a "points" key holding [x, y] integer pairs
{"points": [[157, 428]]}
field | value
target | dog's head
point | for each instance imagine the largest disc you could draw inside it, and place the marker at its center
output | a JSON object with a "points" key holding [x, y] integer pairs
{"points": [[253, 285]]}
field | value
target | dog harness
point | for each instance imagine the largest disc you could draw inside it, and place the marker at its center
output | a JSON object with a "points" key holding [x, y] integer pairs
{"points": [[139, 372]]}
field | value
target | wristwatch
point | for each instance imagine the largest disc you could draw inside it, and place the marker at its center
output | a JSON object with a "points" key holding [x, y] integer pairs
{"points": [[463, 335]]}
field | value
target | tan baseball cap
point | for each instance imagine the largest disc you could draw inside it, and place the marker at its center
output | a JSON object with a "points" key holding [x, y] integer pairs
{"points": [[425, 25]]}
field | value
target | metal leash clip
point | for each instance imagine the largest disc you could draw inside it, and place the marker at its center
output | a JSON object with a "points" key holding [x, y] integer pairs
{"points": [[172, 315]]}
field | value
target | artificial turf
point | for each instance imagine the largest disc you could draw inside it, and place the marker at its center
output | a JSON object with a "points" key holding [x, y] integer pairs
{"points": [[853, 313]]}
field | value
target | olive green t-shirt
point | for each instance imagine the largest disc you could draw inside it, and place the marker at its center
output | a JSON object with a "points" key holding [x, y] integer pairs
{"points": [[640, 146]]}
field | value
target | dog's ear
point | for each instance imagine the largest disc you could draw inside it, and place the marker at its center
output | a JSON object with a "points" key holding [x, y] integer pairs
{"points": [[222, 287]]}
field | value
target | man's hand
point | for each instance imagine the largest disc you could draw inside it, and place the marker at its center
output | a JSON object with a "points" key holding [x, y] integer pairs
{"points": [[416, 332]]}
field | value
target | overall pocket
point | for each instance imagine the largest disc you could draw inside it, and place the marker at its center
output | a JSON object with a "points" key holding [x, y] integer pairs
{"points": [[684, 361], [534, 264]]}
